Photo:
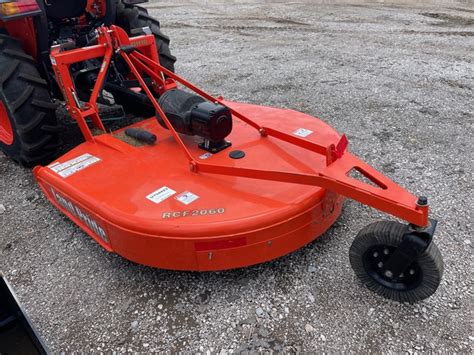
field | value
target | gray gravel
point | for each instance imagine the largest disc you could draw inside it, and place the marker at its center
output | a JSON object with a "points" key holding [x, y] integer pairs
{"points": [[397, 79]]}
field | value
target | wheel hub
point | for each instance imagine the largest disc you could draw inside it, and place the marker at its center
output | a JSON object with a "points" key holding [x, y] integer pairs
{"points": [[375, 259]]}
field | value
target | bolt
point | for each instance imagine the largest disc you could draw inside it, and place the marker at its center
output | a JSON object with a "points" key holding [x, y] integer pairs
{"points": [[422, 201], [389, 274], [386, 251], [376, 254], [380, 264], [411, 272]]}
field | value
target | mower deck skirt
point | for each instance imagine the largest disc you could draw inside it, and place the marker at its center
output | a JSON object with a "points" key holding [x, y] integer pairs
{"points": [[144, 203]]}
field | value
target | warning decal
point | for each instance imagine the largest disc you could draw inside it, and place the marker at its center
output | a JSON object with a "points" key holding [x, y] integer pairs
{"points": [[302, 132], [74, 165], [205, 156], [187, 197], [161, 194]]}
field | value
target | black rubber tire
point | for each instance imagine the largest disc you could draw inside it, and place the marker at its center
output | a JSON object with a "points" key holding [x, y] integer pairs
{"points": [[130, 17], [28, 104], [423, 283]]}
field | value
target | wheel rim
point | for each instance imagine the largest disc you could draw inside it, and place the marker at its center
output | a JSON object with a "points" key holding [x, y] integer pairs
{"points": [[6, 131], [375, 258]]}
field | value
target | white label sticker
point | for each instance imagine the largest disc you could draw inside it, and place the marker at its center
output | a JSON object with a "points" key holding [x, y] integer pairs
{"points": [[187, 197], [53, 165], [302, 132], [74, 165], [161, 194], [78, 167], [205, 156]]}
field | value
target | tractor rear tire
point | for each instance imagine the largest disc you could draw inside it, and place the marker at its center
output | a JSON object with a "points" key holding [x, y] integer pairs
{"points": [[28, 125], [130, 17]]}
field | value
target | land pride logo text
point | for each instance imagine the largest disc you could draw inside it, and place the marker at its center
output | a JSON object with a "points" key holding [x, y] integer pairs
{"points": [[78, 213]]}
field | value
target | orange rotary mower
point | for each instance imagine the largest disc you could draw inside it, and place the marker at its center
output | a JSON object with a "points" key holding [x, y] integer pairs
{"points": [[210, 184]]}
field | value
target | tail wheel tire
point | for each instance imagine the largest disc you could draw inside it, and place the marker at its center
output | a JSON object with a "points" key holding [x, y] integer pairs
{"points": [[130, 17], [28, 126], [374, 245]]}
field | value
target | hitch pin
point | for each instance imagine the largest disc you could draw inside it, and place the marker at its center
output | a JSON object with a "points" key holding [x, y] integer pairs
{"points": [[76, 99]]}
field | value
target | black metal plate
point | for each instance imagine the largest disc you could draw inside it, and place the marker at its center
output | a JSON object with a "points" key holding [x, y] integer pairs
{"points": [[17, 335]]}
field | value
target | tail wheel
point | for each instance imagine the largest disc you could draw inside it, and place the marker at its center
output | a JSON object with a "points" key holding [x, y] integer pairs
{"points": [[130, 17], [28, 126], [374, 245]]}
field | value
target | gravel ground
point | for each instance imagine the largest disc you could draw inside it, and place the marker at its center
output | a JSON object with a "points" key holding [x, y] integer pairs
{"points": [[397, 79]]}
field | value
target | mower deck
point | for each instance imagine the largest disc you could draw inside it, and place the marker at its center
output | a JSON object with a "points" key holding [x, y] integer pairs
{"points": [[131, 200]]}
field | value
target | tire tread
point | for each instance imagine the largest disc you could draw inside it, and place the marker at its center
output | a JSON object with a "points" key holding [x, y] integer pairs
{"points": [[132, 16], [25, 96]]}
